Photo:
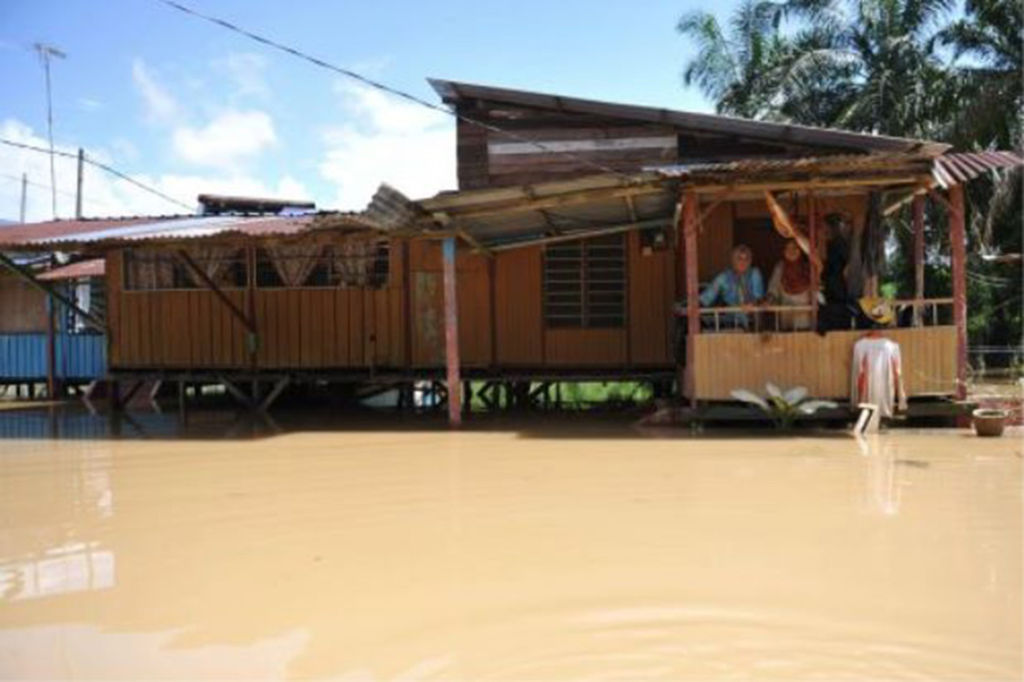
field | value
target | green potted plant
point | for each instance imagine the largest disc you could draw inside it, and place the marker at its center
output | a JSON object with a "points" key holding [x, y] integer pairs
{"points": [[783, 407]]}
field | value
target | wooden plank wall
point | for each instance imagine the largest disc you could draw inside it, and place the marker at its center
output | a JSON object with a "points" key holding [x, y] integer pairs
{"points": [[487, 159], [473, 295], [821, 363], [22, 306], [298, 328]]}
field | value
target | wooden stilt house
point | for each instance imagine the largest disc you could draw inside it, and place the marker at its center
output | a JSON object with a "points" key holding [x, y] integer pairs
{"points": [[574, 248]]}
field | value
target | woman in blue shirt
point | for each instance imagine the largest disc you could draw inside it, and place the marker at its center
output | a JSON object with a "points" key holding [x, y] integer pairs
{"points": [[739, 286]]}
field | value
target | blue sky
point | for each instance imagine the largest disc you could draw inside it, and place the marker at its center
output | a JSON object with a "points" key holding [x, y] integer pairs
{"points": [[190, 107]]}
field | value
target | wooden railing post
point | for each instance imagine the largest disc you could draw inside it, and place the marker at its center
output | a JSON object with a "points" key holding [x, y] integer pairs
{"points": [[692, 294], [958, 242], [918, 259], [813, 230]]}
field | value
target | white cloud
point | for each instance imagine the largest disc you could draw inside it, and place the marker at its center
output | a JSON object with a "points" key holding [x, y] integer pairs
{"points": [[105, 195], [161, 106], [228, 139], [89, 104], [245, 70], [388, 140]]}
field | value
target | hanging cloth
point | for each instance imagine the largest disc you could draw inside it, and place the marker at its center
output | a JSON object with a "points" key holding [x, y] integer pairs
{"points": [[212, 260], [876, 375], [354, 261], [151, 269], [294, 262]]}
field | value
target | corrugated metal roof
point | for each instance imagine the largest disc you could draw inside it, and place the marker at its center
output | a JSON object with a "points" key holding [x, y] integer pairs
{"points": [[952, 169], [454, 91], [94, 267], [813, 165], [74, 234], [391, 209], [947, 170]]}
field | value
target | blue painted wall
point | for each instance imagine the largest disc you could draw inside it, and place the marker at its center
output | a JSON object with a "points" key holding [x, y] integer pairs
{"points": [[79, 356]]}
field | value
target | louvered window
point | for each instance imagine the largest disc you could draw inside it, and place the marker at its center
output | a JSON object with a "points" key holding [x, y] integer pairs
{"points": [[585, 283]]}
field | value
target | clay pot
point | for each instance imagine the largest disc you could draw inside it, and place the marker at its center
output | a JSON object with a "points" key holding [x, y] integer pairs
{"points": [[989, 422]]}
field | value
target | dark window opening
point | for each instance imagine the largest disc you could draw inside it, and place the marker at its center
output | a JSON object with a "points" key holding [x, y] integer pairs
{"points": [[155, 270], [585, 283], [355, 263]]}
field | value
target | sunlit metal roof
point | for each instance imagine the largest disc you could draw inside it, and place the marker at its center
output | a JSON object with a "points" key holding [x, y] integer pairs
{"points": [[76, 234], [952, 169], [93, 267]]}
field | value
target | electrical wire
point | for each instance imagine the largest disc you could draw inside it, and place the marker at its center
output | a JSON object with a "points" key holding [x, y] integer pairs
{"points": [[383, 87], [104, 167], [32, 183]]}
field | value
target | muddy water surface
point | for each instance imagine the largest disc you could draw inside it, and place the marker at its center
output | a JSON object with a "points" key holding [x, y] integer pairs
{"points": [[510, 554]]}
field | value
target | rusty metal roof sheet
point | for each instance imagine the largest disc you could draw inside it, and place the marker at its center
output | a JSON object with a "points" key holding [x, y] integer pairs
{"points": [[454, 91], [947, 170], [952, 169], [93, 267], [70, 235], [804, 166]]}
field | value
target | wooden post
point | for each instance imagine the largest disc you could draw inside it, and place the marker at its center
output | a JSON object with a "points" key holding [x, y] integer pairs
{"points": [[918, 259], [813, 235], [451, 334], [958, 241], [51, 349], [692, 300]]}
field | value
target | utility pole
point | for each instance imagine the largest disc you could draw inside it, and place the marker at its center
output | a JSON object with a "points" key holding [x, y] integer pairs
{"points": [[46, 52], [78, 193], [24, 194]]}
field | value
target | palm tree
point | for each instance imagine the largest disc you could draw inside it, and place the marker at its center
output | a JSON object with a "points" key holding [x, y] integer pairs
{"points": [[991, 36], [874, 62], [735, 68]]}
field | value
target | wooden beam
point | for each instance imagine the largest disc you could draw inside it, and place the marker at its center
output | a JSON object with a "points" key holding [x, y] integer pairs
{"points": [[918, 257], [451, 334], [49, 289], [946, 203], [958, 241], [784, 225], [814, 227], [631, 208], [904, 200], [212, 286], [560, 200], [707, 211], [583, 234], [803, 184], [281, 384], [474, 243], [690, 206]]}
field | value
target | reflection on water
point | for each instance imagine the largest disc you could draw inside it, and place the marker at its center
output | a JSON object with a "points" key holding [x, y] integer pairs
{"points": [[70, 568], [539, 552]]}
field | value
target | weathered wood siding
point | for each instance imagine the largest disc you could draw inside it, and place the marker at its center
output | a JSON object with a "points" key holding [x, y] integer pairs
{"points": [[328, 328], [22, 307], [580, 144], [821, 363], [586, 143]]}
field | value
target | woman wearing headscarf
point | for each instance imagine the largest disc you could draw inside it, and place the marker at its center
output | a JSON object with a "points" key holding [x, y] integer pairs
{"points": [[790, 284], [740, 285]]}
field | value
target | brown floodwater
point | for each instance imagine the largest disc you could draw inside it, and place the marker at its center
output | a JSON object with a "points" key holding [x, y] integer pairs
{"points": [[556, 551]]}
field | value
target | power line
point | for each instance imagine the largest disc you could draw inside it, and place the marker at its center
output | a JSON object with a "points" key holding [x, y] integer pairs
{"points": [[387, 88], [40, 185], [101, 166]]}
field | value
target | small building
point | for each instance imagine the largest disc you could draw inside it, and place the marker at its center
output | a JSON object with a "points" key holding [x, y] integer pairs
{"points": [[42, 342], [574, 249]]}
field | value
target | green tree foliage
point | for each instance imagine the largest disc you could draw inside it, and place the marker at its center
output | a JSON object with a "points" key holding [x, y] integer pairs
{"points": [[908, 68]]}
